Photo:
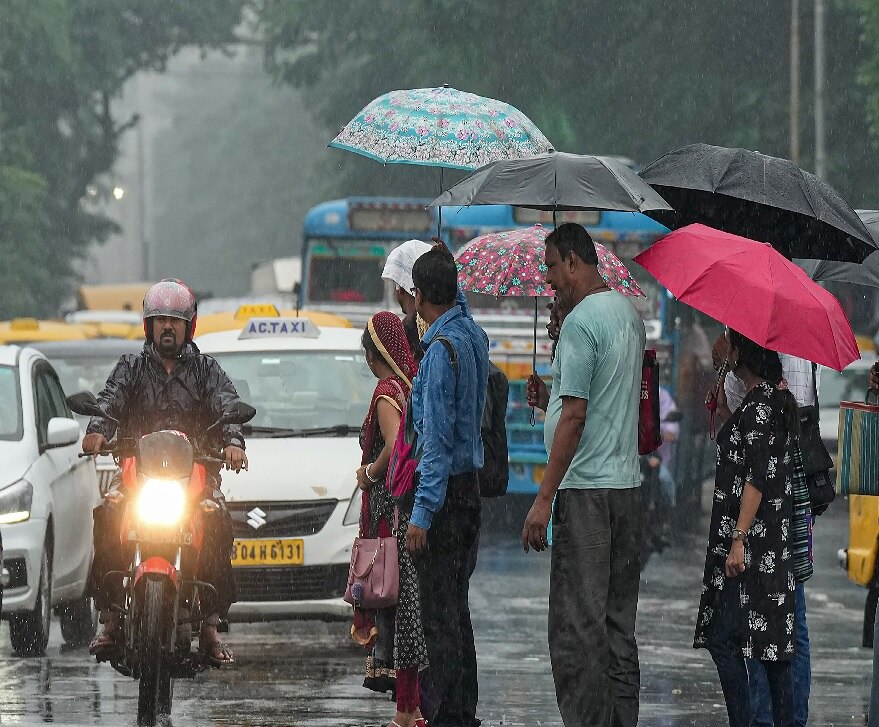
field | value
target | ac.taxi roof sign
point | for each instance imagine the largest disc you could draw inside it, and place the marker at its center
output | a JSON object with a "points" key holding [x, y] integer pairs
{"points": [[279, 328]]}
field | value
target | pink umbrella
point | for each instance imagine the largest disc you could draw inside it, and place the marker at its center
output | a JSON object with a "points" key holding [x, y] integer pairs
{"points": [[757, 291], [511, 264]]}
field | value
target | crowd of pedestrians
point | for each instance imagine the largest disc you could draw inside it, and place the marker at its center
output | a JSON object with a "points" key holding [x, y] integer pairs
{"points": [[433, 368]]}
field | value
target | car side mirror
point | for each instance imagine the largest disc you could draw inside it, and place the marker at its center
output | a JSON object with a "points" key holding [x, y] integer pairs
{"points": [[62, 432]]}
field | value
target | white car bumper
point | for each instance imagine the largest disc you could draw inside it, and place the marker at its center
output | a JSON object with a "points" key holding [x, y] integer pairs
{"points": [[330, 609], [22, 546], [312, 590]]}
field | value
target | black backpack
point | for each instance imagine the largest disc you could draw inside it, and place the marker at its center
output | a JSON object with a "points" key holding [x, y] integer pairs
{"points": [[495, 472]]}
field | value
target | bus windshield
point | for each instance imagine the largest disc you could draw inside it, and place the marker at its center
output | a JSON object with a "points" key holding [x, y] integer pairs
{"points": [[345, 272]]}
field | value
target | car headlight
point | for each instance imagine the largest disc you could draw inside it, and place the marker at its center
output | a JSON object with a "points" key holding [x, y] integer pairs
{"points": [[161, 502], [352, 514], [15, 502]]}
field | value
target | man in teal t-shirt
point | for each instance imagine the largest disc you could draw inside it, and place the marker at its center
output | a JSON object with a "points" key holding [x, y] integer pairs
{"points": [[591, 434]]}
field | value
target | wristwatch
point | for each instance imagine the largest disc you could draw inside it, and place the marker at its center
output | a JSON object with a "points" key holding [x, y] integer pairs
{"points": [[738, 534]]}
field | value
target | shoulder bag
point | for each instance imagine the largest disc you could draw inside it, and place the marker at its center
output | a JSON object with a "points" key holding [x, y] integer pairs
{"points": [[374, 573], [817, 461]]}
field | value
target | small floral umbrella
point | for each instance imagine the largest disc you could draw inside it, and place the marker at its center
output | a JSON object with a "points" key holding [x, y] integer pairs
{"points": [[440, 127], [511, 264]]}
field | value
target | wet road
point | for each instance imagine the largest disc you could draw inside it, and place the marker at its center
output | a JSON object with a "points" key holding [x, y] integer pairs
{"points": [[308, 674]]}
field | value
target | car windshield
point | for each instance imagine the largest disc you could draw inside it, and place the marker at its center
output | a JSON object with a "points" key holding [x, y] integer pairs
{"points": [[847, 385], [83, 373], [10, 405], [298, 390]]}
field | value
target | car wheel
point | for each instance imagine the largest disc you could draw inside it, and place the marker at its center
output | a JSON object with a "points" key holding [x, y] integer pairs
{"points": [[79, 621], [29, 631]]}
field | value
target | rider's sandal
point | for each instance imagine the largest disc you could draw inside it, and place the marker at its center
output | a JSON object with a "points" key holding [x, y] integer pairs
{"points": [[102, 642], [107, 638], [216, 653]]}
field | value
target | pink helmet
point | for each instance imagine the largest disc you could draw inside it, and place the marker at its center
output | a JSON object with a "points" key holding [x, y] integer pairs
{"points": [[173, 298]]}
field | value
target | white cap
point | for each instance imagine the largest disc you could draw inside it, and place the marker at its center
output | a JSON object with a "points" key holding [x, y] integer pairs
{"points": [[398, 267]]}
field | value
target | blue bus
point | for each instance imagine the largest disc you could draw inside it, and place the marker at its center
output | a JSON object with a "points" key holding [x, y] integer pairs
{"points": [[345, 243]]}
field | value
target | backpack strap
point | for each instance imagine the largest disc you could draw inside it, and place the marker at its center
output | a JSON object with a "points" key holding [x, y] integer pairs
{"points": [[451, 350]]}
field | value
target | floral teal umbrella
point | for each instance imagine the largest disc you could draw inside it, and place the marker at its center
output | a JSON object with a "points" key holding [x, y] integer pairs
{"points": [[440, 127]]}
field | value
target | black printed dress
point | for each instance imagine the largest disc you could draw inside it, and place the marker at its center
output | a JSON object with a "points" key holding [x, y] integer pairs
{"points": [[754, 446], [401, 641]]}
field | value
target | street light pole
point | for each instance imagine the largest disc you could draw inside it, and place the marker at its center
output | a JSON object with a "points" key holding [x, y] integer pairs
{"points": [[795, 81], [820, 150]]}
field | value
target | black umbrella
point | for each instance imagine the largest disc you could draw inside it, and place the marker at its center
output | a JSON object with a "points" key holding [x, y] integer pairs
{"points": [[866, 273], [555, 181], [761, 197]]}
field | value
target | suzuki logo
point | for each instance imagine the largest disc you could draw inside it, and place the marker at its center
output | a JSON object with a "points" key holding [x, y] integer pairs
{"points": [[256, 518]]}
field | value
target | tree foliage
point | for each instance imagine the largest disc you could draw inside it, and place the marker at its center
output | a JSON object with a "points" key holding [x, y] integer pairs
{"points": [[637, 80], [62, 62]]}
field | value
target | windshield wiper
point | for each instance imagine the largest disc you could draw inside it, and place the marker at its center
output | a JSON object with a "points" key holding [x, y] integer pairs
{"points": [[339, 430]]}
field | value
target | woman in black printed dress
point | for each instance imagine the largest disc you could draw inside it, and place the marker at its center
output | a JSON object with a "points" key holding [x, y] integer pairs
{"points": [[747, 605]]}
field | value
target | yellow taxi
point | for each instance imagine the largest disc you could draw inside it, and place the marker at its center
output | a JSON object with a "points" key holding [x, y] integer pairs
{"points": [[30, 330]]}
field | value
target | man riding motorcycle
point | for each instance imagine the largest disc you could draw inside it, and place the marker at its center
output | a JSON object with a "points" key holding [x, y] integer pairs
{"points": [[169, 385]]}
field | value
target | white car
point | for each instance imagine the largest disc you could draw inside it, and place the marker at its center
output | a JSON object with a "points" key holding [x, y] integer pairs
{"points": [[47, 494], [296, 509]]}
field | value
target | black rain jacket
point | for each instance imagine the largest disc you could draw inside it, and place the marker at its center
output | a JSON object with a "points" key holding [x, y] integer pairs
{"points": [[145, 398]]}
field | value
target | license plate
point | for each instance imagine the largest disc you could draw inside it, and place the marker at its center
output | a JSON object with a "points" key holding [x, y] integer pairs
{"points": [[538, 473], [281, 551]]}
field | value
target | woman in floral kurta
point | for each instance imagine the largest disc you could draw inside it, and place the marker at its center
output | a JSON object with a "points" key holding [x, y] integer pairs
{"points": [[747, 608]]}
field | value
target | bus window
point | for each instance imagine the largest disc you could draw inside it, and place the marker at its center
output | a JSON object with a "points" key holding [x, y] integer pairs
{"points": [[346, 273]]}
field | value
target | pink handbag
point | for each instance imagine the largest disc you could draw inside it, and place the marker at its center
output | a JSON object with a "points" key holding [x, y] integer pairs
{"points": [[374, 574]]}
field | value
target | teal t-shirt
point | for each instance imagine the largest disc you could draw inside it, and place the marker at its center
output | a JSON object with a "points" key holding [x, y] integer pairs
{"points": [[599, 358]]}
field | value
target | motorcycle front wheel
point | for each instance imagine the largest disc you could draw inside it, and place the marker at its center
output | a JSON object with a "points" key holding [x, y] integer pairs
{"points": [[154, 697]]}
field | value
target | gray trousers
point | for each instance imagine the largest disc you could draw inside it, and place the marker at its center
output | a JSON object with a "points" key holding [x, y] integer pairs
{"points": [[593, 598]]}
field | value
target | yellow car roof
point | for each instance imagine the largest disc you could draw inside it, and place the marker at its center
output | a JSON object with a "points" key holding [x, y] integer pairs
{"points": [[25, 330]]}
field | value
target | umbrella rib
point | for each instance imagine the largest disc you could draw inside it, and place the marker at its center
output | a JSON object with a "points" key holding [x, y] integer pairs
{"points": [[716, 185]]}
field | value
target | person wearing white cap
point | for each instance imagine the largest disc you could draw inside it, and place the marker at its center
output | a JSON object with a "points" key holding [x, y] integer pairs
{"points": [[398, 269]]}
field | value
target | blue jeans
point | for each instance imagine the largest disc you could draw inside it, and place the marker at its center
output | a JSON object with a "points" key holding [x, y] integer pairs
{"points": [[725, 637], [801, 674]]}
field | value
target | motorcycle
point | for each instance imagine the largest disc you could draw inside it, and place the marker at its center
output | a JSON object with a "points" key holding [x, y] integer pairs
{"points": [[163, 478]]}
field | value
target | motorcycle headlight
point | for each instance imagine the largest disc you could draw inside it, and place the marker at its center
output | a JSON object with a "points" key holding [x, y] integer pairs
{"points": [[352, 514], [15, 502], [161, 502]]}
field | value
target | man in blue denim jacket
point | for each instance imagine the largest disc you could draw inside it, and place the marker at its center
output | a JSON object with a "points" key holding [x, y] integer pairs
{"points": [[448, 397]]}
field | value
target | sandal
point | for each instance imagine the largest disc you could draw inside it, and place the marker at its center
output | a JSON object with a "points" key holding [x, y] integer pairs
{"points": [[102, 642], [109, 637], [217, 654]]}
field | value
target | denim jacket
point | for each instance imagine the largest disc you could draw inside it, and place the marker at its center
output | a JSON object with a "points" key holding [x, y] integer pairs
{"points": [[447, 408]]}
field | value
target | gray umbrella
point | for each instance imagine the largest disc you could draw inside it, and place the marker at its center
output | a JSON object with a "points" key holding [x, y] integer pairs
{"points": [[867, 273], [555, 181]]}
